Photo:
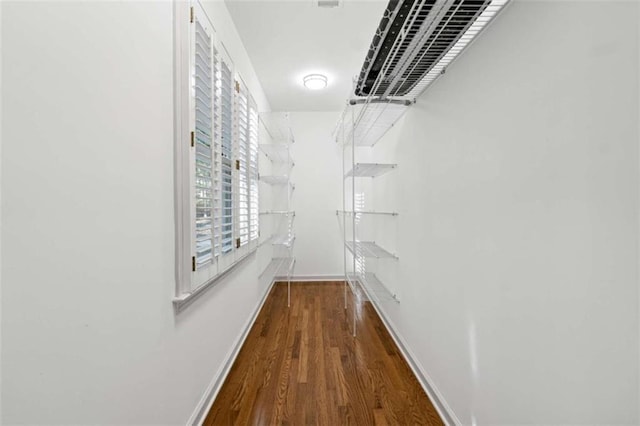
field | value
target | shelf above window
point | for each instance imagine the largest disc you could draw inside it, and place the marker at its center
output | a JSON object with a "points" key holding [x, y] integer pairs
{"points": [[369, 249], [370, 169]]}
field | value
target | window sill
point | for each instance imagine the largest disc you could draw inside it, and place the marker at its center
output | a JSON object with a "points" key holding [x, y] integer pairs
{"points": [[181, 302]]}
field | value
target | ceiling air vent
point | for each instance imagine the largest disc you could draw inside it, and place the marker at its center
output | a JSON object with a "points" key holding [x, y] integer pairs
{"points": [[416, 40], [328, 3]]}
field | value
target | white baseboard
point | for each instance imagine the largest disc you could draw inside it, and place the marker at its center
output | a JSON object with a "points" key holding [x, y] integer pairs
{"points": [[444, 410], [306, 278], [205, 403]]}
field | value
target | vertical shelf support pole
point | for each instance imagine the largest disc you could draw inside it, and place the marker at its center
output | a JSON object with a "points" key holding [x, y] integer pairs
{"points": [[344, 220], [289, 218], [353, 216]]}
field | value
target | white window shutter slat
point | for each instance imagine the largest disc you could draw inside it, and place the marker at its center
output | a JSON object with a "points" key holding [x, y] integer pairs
{"points": [[226, 145], [202, 138], [254, 143], [242, 157]]}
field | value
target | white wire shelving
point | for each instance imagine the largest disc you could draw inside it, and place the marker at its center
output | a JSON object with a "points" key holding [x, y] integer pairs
{"points": [[374, 287], [279, 267], [279, 128], [366, 119], [280, 214], [376, 120], [357, 247], [387, 102], [370, 169], [275, 179], [365, 212], [266, 240], [369, 249], [284, 240], [373, 283], [277, 153]]}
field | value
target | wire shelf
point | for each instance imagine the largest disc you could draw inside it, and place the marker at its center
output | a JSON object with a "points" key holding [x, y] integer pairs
{"points": [[435, 35], [278, 212], [352, 281], [286, 268], [278, 127], [372, 284], [370, 212], [370, 169], [276, 180], [265, 241], [278, 266], [277, 152], [369, 249], [471, 32], [376, 120], [373, 288], [278, 132], [272, 268], [284, 240]]}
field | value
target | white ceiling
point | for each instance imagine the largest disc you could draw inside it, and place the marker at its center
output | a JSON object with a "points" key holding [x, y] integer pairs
{"points": [[289, 39]]}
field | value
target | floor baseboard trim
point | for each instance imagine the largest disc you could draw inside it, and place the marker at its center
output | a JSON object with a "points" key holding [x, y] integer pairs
{"points": [[205, 403], [445, 411], [305, 278]]}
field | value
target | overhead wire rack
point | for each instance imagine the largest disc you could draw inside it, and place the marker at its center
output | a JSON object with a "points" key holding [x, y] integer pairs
{"points": [[415, 43]]}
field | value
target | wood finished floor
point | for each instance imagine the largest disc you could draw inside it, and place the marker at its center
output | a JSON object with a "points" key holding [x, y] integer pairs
{"points": [[302, 366]]}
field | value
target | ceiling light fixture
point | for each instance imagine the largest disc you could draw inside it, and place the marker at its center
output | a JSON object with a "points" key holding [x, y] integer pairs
{"points": [[315, 81]]}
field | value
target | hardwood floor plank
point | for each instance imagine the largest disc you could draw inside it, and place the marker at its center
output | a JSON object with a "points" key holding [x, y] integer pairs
{"points": [[301, 365], [341, 382]]}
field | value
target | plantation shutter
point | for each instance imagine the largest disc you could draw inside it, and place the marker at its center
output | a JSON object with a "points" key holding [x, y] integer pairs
{"points": [[218, 125], [217, 157], [202, 138], [254, 221], [242, 157], [226, 111]]}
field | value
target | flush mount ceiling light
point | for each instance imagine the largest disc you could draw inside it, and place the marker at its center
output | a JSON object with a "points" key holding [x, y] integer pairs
{"points": [[315, 81]]}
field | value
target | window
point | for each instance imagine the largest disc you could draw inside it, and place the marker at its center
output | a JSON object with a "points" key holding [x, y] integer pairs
{"points": [[216, 158]]}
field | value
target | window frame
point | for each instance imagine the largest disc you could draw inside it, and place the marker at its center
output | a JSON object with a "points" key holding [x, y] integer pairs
{"points": [[190, 280]]}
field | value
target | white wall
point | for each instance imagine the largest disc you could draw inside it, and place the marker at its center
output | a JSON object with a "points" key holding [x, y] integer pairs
{"points": [[88, 330], [517, 190], [317, 175], [1, 117]]}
